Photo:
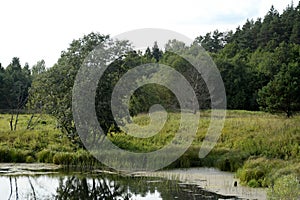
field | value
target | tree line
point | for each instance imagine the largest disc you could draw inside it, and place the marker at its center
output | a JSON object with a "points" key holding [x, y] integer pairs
{"points": [[259, 64]]}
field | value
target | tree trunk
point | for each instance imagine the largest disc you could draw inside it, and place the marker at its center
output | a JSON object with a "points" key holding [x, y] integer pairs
{"points": [[30, 121], [11, 122], [16, 121]]}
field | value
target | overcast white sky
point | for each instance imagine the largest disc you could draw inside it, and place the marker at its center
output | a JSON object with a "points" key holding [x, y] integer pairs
{"points": [[33, 29]]}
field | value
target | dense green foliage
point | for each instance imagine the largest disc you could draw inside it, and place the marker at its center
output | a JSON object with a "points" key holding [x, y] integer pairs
{"points": [[259, 64], [51, 91], [14, 84]]}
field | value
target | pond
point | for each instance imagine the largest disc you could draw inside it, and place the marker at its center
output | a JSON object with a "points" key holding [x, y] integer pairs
{"points": [[195, 183]]}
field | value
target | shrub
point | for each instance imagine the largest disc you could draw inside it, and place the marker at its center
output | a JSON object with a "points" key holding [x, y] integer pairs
{"points": [[285, 188], [63, 158], [184, 162], [84, 159], [253, 183], [45, 156], [231, 161], [260, 169], [5, 154], [29, 159], [17, 155], [13, 155]]}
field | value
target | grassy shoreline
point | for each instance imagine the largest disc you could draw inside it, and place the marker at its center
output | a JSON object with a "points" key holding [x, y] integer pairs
{"points": [[260, 147]]}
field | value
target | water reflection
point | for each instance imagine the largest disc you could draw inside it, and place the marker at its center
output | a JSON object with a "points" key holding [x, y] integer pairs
{"points": [[93, 188], [98, 186]]}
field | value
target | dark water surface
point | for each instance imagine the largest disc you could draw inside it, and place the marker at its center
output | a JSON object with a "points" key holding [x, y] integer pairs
{"points": [[48, 181], [98, 186]]}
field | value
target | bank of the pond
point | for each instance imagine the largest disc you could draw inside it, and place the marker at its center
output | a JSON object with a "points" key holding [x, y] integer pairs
{"points": [[211, 179], [260, 147], [34, 167]]}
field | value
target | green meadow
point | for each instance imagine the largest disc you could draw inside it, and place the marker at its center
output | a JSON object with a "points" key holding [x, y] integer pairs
{"points": [[259, 147]]}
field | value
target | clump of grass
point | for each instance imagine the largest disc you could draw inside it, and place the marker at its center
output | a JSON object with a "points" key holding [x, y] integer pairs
{"points": [[63, 158], [84, 159], [13, 155], [285, 188], [5, 155], [231, 161], [45, 156], [79, 160], [29, 159], [263, 172]]}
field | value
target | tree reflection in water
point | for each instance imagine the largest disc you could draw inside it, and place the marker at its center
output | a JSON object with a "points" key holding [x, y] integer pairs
{"points": [[117, 187], [94, 188], [103, 186]]}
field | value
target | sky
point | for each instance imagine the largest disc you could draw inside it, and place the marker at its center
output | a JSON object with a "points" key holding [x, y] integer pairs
{"points": [[33, 29]]}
